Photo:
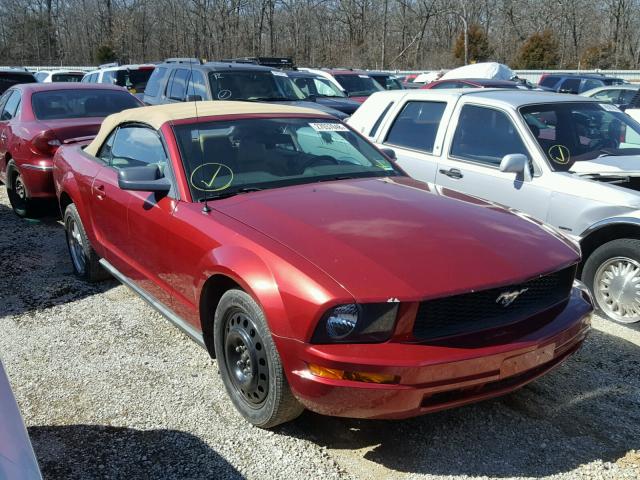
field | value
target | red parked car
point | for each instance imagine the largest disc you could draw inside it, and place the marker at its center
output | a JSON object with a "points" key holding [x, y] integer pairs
{"points": [[35, 119], [313, 268]]}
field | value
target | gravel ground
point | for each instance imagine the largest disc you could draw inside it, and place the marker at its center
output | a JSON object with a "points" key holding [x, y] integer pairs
{"points": [[109, 389]]}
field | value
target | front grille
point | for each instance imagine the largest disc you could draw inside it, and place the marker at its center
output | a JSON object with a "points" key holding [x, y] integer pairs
{"points": [[474, 312]]}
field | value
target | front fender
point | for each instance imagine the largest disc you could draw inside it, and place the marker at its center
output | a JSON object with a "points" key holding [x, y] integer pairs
{"points": [[292, 300]]}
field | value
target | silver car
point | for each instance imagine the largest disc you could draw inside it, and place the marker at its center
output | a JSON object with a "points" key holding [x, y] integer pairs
{"points": [[566, 160]]}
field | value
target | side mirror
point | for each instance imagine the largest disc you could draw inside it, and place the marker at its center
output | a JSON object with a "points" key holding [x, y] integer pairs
{"points": [[390, 153], [516, 163], [312, 98], [193, 98], [568, 90], [143, 179]]}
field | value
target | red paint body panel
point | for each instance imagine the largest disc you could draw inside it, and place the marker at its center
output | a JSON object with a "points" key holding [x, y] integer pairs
{"points": [[20, 131], [300, 250]]}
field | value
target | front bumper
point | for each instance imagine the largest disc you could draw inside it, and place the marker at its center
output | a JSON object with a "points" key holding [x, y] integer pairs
{"points": [[434, 376]]}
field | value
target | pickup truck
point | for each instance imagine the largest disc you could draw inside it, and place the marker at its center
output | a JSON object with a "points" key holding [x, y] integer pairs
{"points": [[571, 162]]}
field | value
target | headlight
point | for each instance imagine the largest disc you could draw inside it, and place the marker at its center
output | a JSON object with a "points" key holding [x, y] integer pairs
{"points": [[353, 323]]}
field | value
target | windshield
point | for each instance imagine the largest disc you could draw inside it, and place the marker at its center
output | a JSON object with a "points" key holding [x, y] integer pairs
{"points": [[227, 157], [8, 80], [318, 86], [388, 82], [67, 77], [134, 79], [358, 85], [248, 85], [570, 132], [58, 104]]}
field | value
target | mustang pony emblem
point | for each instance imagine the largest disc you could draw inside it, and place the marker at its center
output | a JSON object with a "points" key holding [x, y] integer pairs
{"points": [[507, 298]]}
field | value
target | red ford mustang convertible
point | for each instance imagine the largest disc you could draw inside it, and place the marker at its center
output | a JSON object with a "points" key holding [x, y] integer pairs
{"points": [[314, 270], [35, 119]]}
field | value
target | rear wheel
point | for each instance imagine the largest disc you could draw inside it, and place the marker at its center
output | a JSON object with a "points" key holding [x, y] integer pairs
{"points": [[249, 362], [612, 272], [85, 261], [18, 195]]}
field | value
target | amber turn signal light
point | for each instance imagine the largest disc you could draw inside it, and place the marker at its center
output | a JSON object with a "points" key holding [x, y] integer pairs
{"points": [[336, 374]]}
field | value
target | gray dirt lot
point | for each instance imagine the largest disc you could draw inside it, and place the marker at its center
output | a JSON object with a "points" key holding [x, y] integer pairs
{"points": [[109, 389]]}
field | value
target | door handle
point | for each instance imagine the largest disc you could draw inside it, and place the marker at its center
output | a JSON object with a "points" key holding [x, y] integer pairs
{"points": [[99, 190], [452, 173]]}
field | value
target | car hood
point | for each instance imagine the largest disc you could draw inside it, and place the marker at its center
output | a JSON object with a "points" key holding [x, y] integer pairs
{"points": [[627, 164], [316, 106], [345, 105], [396, 238]]}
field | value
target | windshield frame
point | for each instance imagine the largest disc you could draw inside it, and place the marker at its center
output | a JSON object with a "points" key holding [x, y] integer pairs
{"points": [[395, 171], [556, 168]]}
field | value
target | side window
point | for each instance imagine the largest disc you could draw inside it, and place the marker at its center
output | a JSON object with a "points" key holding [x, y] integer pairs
{"points": [[589, 84], [610, 96], [11, 107], [155, 80], [104, 153], [416, 126], [5, 96], [549, 81], [626, 96], [570, 85], [197, 86], [303, 85], [179, 85], [485, 135], [136, 146], [108, 76], [40, 76], [94, 78]]}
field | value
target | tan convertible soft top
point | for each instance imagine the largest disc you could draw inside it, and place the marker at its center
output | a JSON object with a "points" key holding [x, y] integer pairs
{"points": [[158, 115]]}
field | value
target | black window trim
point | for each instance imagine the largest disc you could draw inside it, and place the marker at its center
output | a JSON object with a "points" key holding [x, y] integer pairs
{"points": [[479, 163], [376, 126], [423, 152]]}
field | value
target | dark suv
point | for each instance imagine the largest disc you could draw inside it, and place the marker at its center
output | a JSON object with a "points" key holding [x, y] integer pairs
{"points": [[12, 76], [576, 83], [181, 80]]}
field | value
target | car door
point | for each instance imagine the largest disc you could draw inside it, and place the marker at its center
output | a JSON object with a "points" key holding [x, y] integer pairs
{"points": [[9, 104], [416, 134], [108, 203], [482, 137], [149, 250]]}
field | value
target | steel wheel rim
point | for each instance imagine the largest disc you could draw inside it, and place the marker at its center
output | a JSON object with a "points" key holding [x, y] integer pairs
{"points": [[617, 289], [246, 359], [74, 239]]}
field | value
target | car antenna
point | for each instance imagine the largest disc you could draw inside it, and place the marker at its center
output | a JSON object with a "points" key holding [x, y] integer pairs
{"points": [[205, 207]]}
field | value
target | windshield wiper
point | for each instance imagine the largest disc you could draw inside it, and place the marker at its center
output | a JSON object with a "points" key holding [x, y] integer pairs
{"points": [[230, 193], [272, 99]]}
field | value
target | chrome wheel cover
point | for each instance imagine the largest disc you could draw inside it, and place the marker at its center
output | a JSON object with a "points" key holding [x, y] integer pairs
{"points": [[616, 287], [76, 248]]}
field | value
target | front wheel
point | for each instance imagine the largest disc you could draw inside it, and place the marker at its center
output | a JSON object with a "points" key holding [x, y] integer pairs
{"points": [[249, 362], [612, 272]]}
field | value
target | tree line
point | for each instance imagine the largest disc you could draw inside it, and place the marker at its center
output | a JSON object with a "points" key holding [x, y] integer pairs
{"points": [[385, 34]]}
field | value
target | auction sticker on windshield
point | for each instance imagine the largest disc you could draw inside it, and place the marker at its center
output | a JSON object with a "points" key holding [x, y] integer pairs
{"points": [[328, 127]]}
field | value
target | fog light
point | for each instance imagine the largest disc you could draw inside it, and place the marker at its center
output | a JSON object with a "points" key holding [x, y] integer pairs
{"points": [[342, 321], [366, 377]]}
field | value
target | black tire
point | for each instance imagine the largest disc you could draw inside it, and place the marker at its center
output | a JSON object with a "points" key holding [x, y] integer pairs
{"points": [[84, 259], [253, 377], [625, 249], [22, 205]]}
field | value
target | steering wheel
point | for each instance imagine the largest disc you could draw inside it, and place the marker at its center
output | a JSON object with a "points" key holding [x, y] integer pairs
{"points": [[318, 161]]}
